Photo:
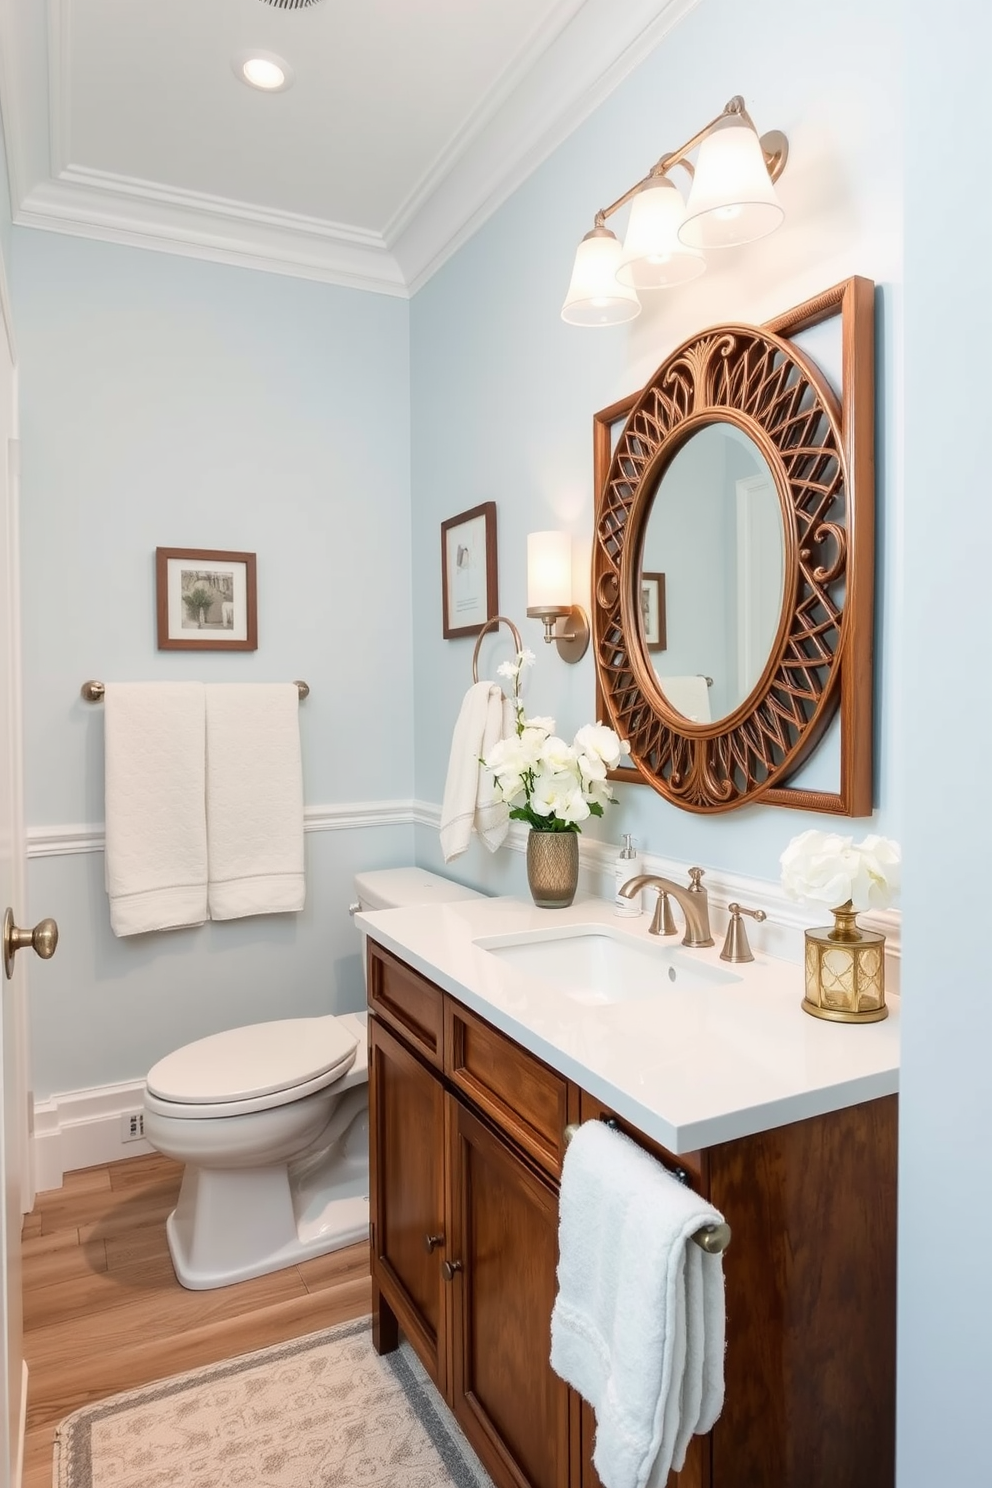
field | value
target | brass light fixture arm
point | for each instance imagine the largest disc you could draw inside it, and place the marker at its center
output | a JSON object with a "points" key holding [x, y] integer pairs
{"points": [[774, 144]]}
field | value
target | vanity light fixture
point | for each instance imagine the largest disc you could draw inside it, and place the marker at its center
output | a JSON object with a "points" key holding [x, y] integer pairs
{"points": [[732, 200], [549, 594], [263, 70]]}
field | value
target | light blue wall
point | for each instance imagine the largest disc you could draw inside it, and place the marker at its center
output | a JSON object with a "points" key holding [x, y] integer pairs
{"points": [[504, 392], [945, 1191], [167, 401]]}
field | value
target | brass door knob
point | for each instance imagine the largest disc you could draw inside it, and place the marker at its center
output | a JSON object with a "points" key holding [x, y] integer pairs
{"points": [[43, 938], [431, 1242], [448, 1269]]}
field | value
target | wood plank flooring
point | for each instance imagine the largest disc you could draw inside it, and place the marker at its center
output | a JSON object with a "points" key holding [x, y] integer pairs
{"points": [[103, 1311]]}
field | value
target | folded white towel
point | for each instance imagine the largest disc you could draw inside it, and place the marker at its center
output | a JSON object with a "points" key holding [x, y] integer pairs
{"points": [[254, 800], [689, 696], [638, 1322], [156, 835], [470, 794]]}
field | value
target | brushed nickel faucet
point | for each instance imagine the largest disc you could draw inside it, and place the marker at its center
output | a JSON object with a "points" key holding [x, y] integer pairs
{"points": [[693, 900]]}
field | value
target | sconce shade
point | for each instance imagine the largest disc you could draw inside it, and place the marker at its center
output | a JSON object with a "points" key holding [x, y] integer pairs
{"points": [[732, 198], [594, 296], [652, 256], [549, 571]]}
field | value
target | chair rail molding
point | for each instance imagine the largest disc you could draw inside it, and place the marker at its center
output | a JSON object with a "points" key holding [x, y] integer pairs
{"points": [[346, 816]]}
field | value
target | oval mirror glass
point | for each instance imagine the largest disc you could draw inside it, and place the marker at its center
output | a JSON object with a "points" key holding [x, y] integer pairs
{"points": [[712, 573]]}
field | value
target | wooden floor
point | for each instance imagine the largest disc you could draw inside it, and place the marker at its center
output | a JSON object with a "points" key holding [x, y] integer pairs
{"points": [[103, 1311]]}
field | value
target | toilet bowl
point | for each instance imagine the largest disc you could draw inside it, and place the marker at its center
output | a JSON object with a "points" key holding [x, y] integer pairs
{"points": [[271, 1122]]}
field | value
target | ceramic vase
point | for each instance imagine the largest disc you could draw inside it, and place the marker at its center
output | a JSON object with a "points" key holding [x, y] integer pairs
{"points": [[845, 971], [552, 868]]}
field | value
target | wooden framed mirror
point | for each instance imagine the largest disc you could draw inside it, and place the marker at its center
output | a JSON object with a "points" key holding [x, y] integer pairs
{"points": [[744, 480]]}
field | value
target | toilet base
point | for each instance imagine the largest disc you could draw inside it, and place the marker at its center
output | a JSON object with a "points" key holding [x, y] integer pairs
{"points": [[232, 1224], [347, 1221]]}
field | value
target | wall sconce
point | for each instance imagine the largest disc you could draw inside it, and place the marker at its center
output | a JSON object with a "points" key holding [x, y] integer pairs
{"points": [[549, 593], [732, 200]]}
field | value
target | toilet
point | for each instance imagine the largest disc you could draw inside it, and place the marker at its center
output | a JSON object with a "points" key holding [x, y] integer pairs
{"points": [[271, 1121]]}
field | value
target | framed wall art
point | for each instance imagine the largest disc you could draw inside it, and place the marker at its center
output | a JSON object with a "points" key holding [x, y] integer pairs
{"points": [[206, 601], [469, 581]]}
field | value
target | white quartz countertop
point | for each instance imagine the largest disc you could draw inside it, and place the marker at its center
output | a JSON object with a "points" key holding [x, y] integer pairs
{"points": [[691, 1066]]}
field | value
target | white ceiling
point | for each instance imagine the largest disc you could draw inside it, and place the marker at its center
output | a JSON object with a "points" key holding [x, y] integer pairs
{"points": [[407, 124]]}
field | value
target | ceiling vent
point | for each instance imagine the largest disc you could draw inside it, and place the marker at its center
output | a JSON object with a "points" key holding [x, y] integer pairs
{"points": [[290, 4]]}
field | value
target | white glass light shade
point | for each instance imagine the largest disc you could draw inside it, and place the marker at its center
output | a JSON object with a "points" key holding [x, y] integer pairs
{"points": [[652, 256], [549, 571], [732, 198], [594, 295]]}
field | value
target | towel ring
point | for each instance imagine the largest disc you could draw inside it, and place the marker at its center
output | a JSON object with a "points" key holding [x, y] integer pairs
{"points": [[494, 622], [713, 1238]]}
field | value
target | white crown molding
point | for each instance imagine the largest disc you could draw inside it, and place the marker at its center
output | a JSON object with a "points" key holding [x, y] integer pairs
{"points": [[89, 206], [566, 67]]}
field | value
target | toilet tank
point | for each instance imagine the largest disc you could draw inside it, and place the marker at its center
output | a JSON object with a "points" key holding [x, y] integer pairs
{"points": [[394, 888]]}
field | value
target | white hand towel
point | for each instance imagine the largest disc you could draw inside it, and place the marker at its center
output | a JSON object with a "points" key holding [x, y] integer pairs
{"points": [[254, 800], [638, 1322], [470, 794], [689, 696], [156, 842]]}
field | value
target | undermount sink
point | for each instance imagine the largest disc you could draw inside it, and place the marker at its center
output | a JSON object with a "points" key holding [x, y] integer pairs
{"points": [[597, 965]]}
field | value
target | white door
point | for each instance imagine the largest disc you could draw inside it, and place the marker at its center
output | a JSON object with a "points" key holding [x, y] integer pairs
{"points": [[13, 1106]]}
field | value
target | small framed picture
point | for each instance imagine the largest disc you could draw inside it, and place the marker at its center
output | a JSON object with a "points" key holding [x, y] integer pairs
{"points": [[653, 610], [206, 600], [468, 571]]}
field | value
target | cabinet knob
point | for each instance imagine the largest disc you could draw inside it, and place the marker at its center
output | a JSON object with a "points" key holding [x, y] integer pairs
{"points": [[431, 1242], [448, 1269]]}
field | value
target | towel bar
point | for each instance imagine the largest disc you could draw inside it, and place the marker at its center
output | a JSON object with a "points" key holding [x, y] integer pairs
{"points": [[714, 1239], [92, 692]]}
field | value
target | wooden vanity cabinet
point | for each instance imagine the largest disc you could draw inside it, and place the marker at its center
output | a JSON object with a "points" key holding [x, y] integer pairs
{"points": [[466, 1147]]}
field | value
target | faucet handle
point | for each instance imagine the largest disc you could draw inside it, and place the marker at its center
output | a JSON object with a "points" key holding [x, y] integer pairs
{"points": [[663, 922], [735, 947], [695, 881]]}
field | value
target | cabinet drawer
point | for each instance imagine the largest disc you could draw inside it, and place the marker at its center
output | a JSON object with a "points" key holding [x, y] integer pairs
{"points": [[410, 1004], [525, 1098]]}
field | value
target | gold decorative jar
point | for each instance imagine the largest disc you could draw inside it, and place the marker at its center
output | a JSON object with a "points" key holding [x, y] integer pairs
{"points": [[552, 867], [845, 971]]}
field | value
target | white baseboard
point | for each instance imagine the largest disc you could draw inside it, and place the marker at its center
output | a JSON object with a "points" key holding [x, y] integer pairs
{"points": [[82, 1128]]}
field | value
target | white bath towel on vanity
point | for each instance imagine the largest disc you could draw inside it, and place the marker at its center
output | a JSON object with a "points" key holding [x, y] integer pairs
{"points": [[156, 837], [254, 800], [470, 794], [638, 1322]]}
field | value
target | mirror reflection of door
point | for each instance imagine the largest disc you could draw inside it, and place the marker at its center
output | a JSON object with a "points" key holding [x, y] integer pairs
{"points": [[715, 529]]}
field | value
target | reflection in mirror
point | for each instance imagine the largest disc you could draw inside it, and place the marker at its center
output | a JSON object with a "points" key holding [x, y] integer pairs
{"points": [[715, 534]]}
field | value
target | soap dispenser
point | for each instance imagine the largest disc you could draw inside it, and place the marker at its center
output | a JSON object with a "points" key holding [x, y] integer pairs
{"points": [[628, 865]]}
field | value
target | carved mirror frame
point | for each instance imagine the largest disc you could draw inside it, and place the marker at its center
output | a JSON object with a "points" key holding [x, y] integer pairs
{"points": [[820, 449]]}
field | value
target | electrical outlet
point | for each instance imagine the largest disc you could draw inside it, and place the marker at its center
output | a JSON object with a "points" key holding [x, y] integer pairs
{"points": [[132, 1126]]}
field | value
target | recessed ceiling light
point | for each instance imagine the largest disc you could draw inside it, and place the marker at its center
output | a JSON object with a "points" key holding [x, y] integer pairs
{"points": [[263, 70]]}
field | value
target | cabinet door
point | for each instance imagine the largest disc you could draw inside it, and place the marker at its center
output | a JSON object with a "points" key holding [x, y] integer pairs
{"points": [[406, 1119], [504, 1242]]}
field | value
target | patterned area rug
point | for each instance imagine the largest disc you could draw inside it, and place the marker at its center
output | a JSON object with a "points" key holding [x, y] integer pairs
{"points": [[323, 1411]]}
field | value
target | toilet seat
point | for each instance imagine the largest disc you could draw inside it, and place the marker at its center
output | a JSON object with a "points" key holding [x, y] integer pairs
{"points": [[252, 1068]]}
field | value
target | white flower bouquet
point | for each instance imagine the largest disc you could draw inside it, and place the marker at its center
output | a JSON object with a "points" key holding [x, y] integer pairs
{"points": [[552, 785], [826, 868]]}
